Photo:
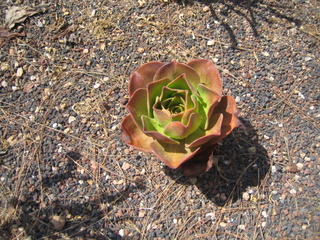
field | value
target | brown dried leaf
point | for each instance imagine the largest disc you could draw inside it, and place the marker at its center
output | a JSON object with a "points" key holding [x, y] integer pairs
{"points": [[5, 35], [17, 14]]}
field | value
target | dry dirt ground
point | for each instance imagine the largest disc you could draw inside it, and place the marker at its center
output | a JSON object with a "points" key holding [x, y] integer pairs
{"points": [[64, 171]]}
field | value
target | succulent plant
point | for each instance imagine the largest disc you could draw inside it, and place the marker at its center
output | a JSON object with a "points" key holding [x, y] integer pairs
{"points": [[177, 111]]}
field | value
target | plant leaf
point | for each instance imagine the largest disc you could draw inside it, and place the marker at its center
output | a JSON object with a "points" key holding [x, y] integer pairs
{"points": [[200, 136], [210, 100], [162, 116], [152, 129], [174, 69], [133, 136], [143, 76], [228, 108], [181, 82], [208, 73], [173, 155], [154, 90], [177, 130], [200, 163], [137, 105]]}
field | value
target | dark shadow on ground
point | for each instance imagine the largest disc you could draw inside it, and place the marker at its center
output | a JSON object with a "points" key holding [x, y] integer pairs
{"points": [[243, 163], [247, 10], [84, 219], [92, 218]]}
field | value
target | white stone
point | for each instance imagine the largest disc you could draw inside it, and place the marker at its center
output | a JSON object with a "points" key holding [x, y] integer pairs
{"points": [[264, 214], [293, 191], [210, 42], [215, 60], [223, 224], [19, 72], [71, 119], [121, 232], [242, 227], [97, 85], [211, 215], [299, 166], [4, 84], [246, 196]]}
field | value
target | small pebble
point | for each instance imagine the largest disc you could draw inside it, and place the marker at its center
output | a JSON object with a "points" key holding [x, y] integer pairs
{"points": [[293, 191], [140, 50], [252, 150], [141, 214], [206, 9], [19, 72], [242, 227], [97, 85], [264, 214], [210, 215], [246, 196], [121, 232], [223, 224], [210, 42], [58, 222], [299, 166], [71, 119], [4, 84], [32, 118], [223, 196], [125, 166]]}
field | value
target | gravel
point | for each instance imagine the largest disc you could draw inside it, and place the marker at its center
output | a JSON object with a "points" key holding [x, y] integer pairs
{"points": [[64, 171]]}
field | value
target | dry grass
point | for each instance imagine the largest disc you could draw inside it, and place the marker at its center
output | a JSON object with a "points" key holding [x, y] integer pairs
{"points": [[109, 205]]}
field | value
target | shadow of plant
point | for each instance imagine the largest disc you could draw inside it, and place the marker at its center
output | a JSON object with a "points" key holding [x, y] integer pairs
{"points": [[243, 163]]}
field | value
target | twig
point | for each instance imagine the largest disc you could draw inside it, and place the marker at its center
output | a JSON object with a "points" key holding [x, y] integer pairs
{"points": [[295, 108]]}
